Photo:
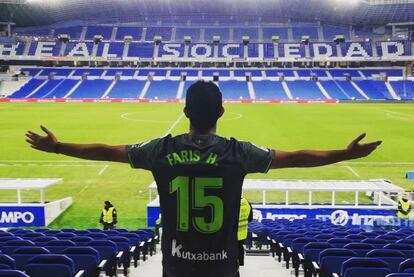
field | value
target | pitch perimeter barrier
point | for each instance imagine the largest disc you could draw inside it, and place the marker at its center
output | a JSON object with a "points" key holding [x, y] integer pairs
{"points": [[99, 100], [382, 209]]}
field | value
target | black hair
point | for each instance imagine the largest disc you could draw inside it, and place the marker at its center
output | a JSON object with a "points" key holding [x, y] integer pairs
{"points": [[107, 203], [203, 104]]}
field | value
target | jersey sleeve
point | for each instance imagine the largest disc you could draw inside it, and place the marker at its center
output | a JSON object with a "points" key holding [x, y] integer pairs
{"points": [[256, 159], [143, 155]]}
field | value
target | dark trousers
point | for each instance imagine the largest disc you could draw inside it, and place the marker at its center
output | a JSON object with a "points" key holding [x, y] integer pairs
{"points": [[108, 226], [241, 252]]}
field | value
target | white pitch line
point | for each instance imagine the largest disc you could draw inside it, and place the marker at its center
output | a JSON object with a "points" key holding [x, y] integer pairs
{"points": [[103, 170], [174, 124], [352, 170], [82, 190]]}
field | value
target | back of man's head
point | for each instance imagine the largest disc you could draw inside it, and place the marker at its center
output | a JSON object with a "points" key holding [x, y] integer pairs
{"points": [[203, 104]]}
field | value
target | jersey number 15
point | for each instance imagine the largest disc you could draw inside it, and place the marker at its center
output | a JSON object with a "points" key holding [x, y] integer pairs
{"points": [[198, 201]]}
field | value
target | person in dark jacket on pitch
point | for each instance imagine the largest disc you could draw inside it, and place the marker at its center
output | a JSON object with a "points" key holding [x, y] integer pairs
{"points": [[109, 216]]}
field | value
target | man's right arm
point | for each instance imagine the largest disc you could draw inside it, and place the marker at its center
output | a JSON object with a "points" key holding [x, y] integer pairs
{"points": [[314, 158], [98, 152]]}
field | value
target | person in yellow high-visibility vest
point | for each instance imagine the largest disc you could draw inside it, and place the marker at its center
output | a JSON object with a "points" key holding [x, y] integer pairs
{"points": [[109, 216], [245, 216], [404, 208]]}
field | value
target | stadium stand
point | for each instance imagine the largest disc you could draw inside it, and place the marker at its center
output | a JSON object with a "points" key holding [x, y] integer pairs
{"points": [[305, 90], [269, 90], [91, 252], [134, 32], [299, 84], [165, 89]]}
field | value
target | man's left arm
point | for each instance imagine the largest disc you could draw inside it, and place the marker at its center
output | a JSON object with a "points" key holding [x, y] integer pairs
{"points": [[314, 158]]}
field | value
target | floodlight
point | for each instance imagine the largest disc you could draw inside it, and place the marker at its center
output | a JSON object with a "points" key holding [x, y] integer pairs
{"points": [[187, 39], [305, 40], [275, 39], [216, 39], [97, 39], [157, 39], [128, 38], [246, 39]]}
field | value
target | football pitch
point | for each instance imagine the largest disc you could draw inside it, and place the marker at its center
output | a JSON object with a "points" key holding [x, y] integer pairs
{"points": [[278, 126]]}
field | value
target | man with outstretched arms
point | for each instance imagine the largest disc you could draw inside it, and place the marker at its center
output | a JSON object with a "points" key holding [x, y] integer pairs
{"points": [[199, 177]]}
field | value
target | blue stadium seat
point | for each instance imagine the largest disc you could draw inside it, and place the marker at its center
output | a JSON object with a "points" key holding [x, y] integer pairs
{"points": [[23, 254], [108, 251], [30, 236], [41, 241], [377, 243], [367, 267], [6, 234], [124, 246], [112, 232], [406, 249], [355, 237], [331, 260], [389, 238], [81, 232], [97, 236], [406, 265], [269, 90], [13, 273], [86, 259], [52, 232], [406, 241], [165, 89], [10, 246], [234, 89], [311, 252], [50, 265], [137, 245], [65, 236], [68, 230], [57, 246], [7, 260], [392, 257], [94, 230], [81, 240], [361, 249]]}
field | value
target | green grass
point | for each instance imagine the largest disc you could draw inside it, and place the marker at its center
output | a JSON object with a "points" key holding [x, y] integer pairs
{"points": [[283, 126]]}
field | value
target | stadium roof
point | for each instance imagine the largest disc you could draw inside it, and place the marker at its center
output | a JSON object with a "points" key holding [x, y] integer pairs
{"points": [[27, 183], [318, 185], [340, 12]]}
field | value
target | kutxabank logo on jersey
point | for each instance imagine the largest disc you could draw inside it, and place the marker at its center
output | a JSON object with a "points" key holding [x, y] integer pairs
{"points": [[178, 251]]}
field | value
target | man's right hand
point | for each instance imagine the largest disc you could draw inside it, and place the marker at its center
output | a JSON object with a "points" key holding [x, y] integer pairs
{"points": [[43, 143]]}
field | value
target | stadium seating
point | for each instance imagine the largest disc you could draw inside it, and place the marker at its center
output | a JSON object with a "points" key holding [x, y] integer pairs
{"points": [[12, 273], [298, 32], [74, 31], [234, 89], [91, 89], [50, 265], [164, 32], [99, 251], [126, 89], [269, 90], [312, 245], [305, 90], [103, 31], [165, 89], [266, 85], [404, 89], [135, 32]]}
